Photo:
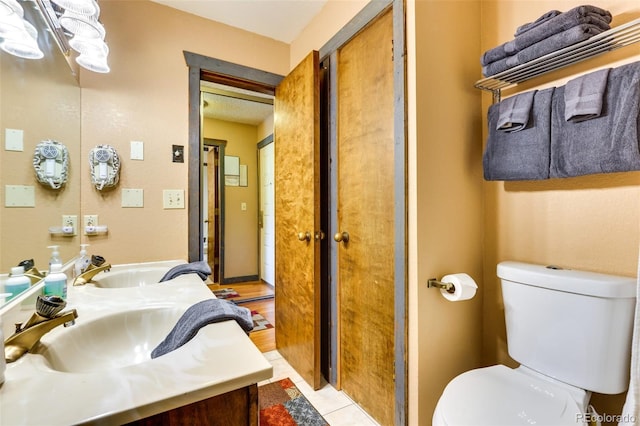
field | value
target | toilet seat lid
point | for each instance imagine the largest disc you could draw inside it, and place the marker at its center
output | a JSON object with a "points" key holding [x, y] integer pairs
{"points": [[499, 395]]}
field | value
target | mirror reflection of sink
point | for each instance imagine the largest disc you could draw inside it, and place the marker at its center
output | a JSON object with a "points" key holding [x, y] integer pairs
{"points": [[113, 341], [134, 277]]}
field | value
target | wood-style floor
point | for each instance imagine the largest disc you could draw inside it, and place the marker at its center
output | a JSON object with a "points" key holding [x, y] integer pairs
{"points": [[265, 340]]}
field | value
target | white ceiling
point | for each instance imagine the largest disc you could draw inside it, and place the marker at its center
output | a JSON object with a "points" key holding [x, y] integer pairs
{"points": [[282, 20]]}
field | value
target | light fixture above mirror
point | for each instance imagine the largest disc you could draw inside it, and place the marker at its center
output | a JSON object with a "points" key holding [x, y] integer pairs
{"points": [[73, 23]]}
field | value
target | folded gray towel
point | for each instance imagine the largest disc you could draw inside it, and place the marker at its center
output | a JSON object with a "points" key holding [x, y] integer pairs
{"points": [[605, 144], [199, 315], [551, 44], [577, 16], [515, 112], [201, 268], [583, 96], [530, 25], [522, 155]]}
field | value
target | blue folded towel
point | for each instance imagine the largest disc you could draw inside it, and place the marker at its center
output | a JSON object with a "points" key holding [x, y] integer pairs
{"points": [[606, 144], [577, 16], [199, 315], [200, 267], [522, 155], [530, 25], [515, 112], [583, 96], [551, 44]]}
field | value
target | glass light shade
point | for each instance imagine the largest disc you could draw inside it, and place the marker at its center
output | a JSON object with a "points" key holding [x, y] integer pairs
{"points": [[89, 46], [83, 26], [22, 46], [8, 7], [11, 24], [93, 63], [83, 7]]}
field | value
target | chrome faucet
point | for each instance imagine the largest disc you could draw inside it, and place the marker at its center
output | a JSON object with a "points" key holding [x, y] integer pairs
{"points": [[41, 322], [90, 272]]}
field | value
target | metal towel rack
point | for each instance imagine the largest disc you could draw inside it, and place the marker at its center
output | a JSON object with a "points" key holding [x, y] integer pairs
{"points": [[615, 38]]}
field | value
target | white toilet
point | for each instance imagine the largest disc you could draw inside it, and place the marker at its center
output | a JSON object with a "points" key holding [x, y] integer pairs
{"points": [[570, 331]]}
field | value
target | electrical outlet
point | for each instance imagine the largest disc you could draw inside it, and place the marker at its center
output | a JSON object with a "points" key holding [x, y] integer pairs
{"points": [[69, 224], [90, 220]]}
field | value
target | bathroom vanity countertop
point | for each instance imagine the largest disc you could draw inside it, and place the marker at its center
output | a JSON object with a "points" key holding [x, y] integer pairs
{"points": [[219, 359]]}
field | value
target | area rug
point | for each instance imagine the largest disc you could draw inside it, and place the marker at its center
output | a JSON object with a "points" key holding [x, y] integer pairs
{"points": [[226, 293], [282, 404], [260, 322]]}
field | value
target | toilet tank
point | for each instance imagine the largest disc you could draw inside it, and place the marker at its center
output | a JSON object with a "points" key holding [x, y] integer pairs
{"points": [[573, 326]]}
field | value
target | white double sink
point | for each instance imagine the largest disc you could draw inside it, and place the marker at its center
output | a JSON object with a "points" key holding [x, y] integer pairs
{"points": [[100, 369]]}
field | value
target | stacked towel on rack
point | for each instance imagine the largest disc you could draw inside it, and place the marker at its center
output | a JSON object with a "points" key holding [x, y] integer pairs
{"points": [[551, 32], [606, 140]]}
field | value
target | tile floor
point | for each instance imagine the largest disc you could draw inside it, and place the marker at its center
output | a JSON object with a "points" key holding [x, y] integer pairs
{"points": [[333, 405]]}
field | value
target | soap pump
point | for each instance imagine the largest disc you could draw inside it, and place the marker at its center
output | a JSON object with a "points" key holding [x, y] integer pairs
{"points": [[55, 256], [83, 261]]}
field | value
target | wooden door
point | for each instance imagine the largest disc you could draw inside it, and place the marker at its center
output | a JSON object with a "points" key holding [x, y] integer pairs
{"points": [[365, 150], [297, 206]]}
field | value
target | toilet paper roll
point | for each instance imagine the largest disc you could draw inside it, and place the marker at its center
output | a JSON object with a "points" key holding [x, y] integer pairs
{"points": [[464, 284]]}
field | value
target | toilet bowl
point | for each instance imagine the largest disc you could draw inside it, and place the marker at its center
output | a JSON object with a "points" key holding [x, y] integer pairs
{"points": [[559, 326], [499, 395]]}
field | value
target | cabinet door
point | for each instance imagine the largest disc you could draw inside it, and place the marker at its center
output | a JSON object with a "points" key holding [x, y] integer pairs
{"points": [[365, 151], [297, 207]]}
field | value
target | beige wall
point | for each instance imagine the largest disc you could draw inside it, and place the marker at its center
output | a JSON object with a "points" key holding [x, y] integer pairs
{"points": [[42, 98], [144, 98], [588, 222], [241, 227], [445, 203]]}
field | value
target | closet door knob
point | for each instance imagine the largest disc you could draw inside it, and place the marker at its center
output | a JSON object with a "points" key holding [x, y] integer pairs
{"points": [[304, 236], [341, 237]]}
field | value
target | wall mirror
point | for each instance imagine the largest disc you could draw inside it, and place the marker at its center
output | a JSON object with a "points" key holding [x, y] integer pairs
{"points": [[39, 100]]}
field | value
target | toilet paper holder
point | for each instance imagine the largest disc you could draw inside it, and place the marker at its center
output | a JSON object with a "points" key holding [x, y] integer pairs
{"points": [[448, 287]]}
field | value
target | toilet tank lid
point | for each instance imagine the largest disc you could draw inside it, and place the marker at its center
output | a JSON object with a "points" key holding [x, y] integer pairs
{"points": [[568, 280]]}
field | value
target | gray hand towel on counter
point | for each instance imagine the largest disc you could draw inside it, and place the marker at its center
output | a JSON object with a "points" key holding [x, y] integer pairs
{"points": [[577, 16], [199, 315], [583, 96], [605, 144], [522, 155], [551, 44], [201, 268], [515, 112]]}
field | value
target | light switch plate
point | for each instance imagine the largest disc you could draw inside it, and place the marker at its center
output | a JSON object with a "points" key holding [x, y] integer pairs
{"points": [[173, 198], [13, 140], [19, 196], [132, 198], [137, 150]]}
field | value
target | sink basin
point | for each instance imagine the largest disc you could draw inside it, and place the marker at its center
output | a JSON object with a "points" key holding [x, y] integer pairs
{"points": [[113, 341], [134, 277]]}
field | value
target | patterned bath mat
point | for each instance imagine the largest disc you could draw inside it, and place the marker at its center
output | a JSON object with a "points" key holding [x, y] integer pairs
{"points": [[226, 293], [260, 322], [282, 404]]}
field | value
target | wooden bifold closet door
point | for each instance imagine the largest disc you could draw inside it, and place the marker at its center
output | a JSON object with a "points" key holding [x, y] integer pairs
{"points": [[297, 206]]}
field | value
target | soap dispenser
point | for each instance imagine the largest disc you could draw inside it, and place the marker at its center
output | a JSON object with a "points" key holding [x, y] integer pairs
{"points": [[83, 261], [55, 283], [55, 256], [17, 282]]}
